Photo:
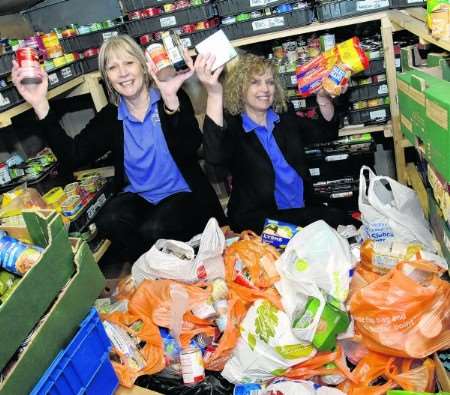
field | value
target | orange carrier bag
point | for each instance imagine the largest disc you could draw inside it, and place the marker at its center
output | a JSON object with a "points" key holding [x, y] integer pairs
{"points": [[404, 313]]}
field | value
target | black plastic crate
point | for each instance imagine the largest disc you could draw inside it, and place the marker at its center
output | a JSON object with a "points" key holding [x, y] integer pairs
{"points": [[348, 8], [132, 5], [234, 7], [373, 115], [9, 97], [269, 24], [366, 92], [170, 19], [406, 3], [289, 80], [90, 40], [339, 164], [6, 63], [89, 64], [64, 74]]}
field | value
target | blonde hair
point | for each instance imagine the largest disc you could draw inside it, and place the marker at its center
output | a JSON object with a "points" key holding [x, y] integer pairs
{"points": [[238, 79], [116, 45]]}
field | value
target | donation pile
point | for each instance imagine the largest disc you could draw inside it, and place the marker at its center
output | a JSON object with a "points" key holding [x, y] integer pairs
{"points": [[326, 311]]}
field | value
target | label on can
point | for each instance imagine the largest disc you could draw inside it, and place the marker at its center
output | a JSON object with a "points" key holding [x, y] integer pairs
{"points": [[159, 55], [17, 257], [192, 368]]}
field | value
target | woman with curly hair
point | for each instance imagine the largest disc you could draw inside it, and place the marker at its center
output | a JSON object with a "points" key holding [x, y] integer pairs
{"points": [[261, 144]]}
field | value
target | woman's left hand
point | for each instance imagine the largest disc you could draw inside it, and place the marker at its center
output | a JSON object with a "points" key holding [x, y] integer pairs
{"points": [[170, 87]]}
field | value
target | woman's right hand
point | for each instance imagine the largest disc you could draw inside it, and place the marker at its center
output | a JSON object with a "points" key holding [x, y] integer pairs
{"points": [[34, 94], [210, 79]]}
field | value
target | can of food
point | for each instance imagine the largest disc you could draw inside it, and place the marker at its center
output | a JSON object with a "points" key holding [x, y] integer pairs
{"points": [[50, 39], [134, 15], [200, 26], [359, 105], [90, 53], [84, 29], [89, 184], [5, 177], [278, 52], [283, 8], [213, 22], [242, 17], [169, 7], [379, 101], [107, 24], [256, 14], [68, 33], [192, 368], [327, 41], [17, 257], [72, 189], [95, 27], [181, 4], [145, 39], [49, 65], [365, 81], [70, 57], [188, 29], [71, 205], [267, 11], [28, 58], [228, 20], [156, 36], [152, 11], [158, 55], [55, 197], [196, 2], [60, 61]]}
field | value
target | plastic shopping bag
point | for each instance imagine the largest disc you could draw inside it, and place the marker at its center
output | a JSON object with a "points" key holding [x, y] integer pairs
{"points": [[316, 259], [404, 313], [391, 213], [266, 347], [175, 260], [154, 298], [296, 387]]}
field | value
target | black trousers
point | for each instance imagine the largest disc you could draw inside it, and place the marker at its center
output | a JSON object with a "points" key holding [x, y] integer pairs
{"points": [[134, 224], [297, 216]]}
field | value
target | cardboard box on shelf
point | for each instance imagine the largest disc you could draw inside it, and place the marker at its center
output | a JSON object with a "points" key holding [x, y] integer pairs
{"points": [[58, 326], [439, 226], [39, 286]]}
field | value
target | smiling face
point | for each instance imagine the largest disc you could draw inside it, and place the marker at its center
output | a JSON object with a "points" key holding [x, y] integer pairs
{"points": [[260, 93], [125, 74]]}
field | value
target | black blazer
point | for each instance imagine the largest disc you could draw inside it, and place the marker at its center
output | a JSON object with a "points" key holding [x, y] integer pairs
{"points": [[231, 150], [104, 133]]}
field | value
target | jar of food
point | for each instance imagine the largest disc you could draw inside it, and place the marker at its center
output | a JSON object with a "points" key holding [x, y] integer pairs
{"points": [[28, 59]]}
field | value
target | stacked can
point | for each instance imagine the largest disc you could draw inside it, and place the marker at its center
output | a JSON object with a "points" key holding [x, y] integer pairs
{"points": [[52, 45]]}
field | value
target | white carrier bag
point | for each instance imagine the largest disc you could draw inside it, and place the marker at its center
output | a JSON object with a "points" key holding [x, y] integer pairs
{"points": [[388, 214]]}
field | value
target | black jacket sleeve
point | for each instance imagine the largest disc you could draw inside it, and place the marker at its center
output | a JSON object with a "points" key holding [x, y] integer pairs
{"points": [[319, 130], [181, 130], [90, 144]]}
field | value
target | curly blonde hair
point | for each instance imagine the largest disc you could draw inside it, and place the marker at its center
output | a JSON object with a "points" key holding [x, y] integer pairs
{"points": [[237, 82]]}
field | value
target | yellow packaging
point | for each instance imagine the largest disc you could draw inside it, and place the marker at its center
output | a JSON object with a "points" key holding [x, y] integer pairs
{"points": [[352, 55], [54, 197]]}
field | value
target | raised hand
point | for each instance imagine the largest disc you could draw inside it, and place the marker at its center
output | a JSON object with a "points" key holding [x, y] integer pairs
{"points": [[209, 79], [170, 87], [34, 94]]}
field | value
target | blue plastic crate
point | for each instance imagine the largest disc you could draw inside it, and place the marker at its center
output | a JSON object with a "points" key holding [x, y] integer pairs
{"points": [[84, 366]]}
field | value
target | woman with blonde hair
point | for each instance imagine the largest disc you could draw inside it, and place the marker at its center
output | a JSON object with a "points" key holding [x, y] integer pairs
{"points": [[153, 136], [261, 144]]}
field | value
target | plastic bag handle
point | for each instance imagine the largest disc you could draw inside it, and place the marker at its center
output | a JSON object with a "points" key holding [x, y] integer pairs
{"points": [[248, 235], [363, 188]]}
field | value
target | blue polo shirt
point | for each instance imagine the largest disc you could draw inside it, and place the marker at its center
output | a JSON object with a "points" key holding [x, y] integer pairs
{"points": [[149, 166], [288, 184]]}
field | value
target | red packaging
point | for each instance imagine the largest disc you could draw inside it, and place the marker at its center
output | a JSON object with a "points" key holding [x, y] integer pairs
{"points": [[156, 36], [187, 29], [145, 39], [132, 16], [210, 23], [91, 52], [28, 58], [200, 25], [150, 12], [180, 4]]}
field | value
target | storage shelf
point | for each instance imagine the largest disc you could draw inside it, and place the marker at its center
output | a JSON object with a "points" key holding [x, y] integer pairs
{"points": [[413, 20], [355, 129]]}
